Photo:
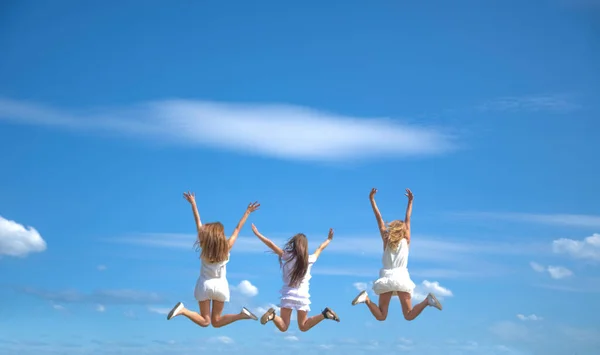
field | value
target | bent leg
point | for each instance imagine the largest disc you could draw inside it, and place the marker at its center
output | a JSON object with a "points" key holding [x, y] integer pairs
{"points": [[305, 323], [380, 311], [219, 320], [202, 319], [409, 312], [282, 322]]}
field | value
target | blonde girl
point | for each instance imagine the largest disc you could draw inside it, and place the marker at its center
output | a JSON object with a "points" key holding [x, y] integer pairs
{"points": [[296, 265], [394, 278], [212, 283]]}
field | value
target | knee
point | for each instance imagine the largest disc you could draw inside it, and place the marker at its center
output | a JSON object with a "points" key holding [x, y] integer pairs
{"points": [[284, 328], [382, 317], [214, 321], [408, 317], [303, 328]]}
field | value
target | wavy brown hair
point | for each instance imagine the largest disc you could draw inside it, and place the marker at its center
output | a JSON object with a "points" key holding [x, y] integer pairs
{"points": [[397, 230], [297, 247], [211, 238]]}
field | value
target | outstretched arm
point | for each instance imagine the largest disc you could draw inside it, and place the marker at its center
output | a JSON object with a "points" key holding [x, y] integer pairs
{"points": [[277, 250], [380, 224], [251, 208], [191, 198], [410, 196], [324, 244]]}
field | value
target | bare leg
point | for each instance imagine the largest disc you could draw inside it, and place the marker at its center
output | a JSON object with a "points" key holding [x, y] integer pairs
{"points": [[283, 322], [219, 320], [409, 312], [202, 319], [305, 323], [380, 312]]}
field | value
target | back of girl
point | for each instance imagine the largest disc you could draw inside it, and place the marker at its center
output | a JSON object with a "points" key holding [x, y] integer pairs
{"points": [[212, 285], [296, 266]]}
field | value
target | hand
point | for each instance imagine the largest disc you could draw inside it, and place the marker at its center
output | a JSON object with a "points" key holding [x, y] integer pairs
{"points": [[409, 194], [190, 197], [330, 236], [253, 207], [373, 192], [255, 230]]}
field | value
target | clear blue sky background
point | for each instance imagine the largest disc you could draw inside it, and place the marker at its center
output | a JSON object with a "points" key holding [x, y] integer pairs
{"points": [[505, 174]]}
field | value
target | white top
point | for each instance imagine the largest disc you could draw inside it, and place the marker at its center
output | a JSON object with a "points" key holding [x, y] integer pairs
{"points": [[214, 270], [303, 287], [393, 259]]}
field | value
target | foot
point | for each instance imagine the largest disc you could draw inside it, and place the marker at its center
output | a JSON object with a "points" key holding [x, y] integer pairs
{"points": [[268, 316], [362, 297], [433, 301], [329, 314], [248, 314], [177, 310]]}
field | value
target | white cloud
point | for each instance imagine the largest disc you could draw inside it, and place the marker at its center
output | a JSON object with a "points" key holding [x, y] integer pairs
{"points": [[360, 286], [434, 287], [158, 310], [567, 220], [559, 272], [100, 308], [291, 338], [16, 240], [280, 131], [101, 267], [222, 339], [531, 317], [247, 289], [536, 103], [588, 248], [59, 307], [556, 272]]}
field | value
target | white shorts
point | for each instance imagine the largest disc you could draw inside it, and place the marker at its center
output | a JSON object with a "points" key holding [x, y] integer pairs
{"points": [[299, 305], [213, 289]]}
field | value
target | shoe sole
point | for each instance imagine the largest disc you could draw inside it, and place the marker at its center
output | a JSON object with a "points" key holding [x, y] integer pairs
{"points": [[249, 314], [175, 309], [265, 318], [355, 300], [438, 304]]}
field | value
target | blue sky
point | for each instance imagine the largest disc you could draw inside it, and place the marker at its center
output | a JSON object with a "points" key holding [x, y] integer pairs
{"points": [[487, 110]]}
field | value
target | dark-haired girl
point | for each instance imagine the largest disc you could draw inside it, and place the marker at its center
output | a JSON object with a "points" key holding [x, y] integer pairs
{"points": [[296, 264]]}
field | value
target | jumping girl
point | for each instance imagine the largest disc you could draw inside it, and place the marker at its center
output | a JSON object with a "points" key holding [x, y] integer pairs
{"points": [[296, 265], [394, 278], [212, 283]]}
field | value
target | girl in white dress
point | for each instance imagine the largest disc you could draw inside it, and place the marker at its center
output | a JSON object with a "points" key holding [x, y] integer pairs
{"points": [[296, 265], [394, 278], [212, 283]]}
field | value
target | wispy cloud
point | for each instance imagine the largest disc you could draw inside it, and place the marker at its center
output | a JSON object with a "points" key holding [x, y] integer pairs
{"points": [[567, 220], [97, 297], [434, 287], [588, 248], [536, 103], [555, 272], [280, 131], [531, 317], [18, 240]]}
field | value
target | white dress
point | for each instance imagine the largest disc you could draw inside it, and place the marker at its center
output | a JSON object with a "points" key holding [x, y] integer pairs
{"points": [[297, 298], [394, 276], [212, 283]]}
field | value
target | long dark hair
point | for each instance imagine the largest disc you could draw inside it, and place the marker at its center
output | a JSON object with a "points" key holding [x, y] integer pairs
{"points": [[297, 247]]}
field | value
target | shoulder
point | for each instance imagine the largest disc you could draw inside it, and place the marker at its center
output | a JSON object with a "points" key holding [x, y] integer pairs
{"points": [[312, 258]]}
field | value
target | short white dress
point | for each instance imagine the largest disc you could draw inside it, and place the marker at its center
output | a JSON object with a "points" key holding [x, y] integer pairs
{"points": [[212, 283], [297, 298], [394, 276]]}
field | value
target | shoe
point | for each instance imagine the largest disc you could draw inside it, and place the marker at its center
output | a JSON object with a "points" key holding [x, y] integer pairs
{"points": [[268, 316], [175, 311], [248, 313], [361, 298], [329, 314], [433, 301]]}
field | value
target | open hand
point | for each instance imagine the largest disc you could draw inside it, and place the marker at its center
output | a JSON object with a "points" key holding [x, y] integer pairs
{"points": [[254, 229], [409, 194], [373, 192], [190, 197], [253, 207], [330, 236]]}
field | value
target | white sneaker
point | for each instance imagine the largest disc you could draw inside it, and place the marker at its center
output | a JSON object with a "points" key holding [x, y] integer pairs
{"points": [[176, 310], [433, 301], [361, 298], [249, 314]]}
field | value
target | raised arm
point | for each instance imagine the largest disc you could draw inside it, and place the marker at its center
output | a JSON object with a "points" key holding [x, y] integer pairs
{"points": [[251, 208], [380, 224], [410, 196], [277, 250], [324, 244], [191, 198]]}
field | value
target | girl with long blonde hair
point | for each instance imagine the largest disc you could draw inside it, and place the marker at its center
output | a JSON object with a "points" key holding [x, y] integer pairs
{"points": [[212, 283], [394, 278], [296, 265]]}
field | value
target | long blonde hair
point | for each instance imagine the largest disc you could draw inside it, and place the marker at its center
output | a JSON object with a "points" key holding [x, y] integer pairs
{"points": [[397, 230], [211, 238]]}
